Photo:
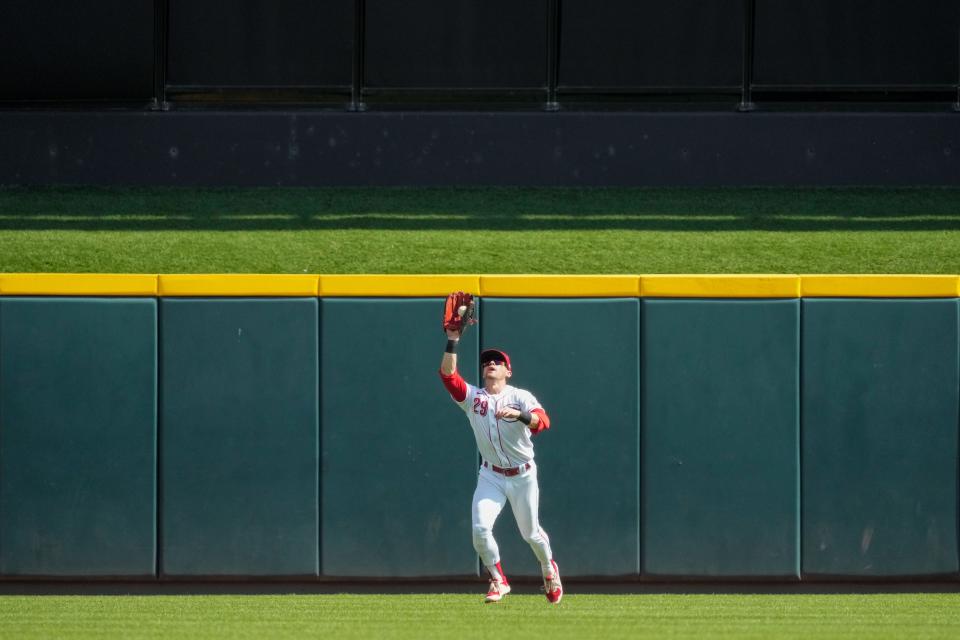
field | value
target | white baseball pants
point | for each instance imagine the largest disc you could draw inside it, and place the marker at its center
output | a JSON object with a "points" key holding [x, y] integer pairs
{"points": [[492, 493]]}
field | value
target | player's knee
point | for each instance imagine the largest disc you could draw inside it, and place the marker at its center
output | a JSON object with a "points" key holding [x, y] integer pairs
{"points": [[482, 539], [482, 532], [534, 537]]}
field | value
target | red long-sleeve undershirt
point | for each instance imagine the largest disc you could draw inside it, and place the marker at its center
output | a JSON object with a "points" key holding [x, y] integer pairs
{"points": [[457, 387]]}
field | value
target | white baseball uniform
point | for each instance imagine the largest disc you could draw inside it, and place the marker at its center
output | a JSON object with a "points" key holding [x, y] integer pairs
{"points": [[507, 472]]}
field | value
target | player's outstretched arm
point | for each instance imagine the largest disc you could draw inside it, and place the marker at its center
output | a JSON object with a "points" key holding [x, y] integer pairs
{"points": [[449, 363], [452, 381]]}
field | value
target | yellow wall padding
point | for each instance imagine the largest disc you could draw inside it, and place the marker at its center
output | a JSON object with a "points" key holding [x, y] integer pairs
{"points": [[720, 286], [879, 286], [238, 285], [397, 285], [492, 285], [78, 284], [560, 286]]}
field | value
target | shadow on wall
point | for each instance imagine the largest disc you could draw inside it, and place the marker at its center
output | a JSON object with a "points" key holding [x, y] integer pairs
{"points": [[466, 585], [506, 209]]}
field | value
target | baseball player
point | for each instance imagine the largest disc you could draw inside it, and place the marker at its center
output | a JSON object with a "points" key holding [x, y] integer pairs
{"points": [[503, 419]]}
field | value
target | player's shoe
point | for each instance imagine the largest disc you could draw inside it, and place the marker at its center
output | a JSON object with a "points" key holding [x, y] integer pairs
{"points": [[552, 586], [497, 590]]}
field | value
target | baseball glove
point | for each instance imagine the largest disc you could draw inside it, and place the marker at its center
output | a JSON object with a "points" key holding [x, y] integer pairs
{"points": [[458, 312]]}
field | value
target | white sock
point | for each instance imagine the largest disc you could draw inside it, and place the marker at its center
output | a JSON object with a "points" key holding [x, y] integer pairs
{"points": [[547, 569], [495, 572]]}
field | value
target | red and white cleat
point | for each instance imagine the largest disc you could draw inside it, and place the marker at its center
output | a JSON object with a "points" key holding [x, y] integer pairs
{"points": [[497, 590], [552, 586]]}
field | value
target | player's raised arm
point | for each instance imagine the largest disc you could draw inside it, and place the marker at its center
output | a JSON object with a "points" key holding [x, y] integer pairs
{"points": [[454, 383], [458, 310], [449, 363]]}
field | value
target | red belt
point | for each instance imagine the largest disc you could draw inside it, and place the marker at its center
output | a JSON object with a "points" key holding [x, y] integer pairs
{"points": [[508, 472]]}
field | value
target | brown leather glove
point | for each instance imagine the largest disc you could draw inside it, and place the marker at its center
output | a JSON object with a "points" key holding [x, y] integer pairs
{"points": [[458, 312]]}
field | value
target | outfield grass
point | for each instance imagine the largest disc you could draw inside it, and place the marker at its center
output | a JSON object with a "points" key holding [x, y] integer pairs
{"points": [[584, 617], [480, 230]]}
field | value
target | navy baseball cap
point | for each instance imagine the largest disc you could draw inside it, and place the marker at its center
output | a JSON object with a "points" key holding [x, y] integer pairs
{"points": [[494, 354]]}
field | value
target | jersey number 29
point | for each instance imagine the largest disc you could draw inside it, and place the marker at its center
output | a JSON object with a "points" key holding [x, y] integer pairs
{"points": [[480, 406]]}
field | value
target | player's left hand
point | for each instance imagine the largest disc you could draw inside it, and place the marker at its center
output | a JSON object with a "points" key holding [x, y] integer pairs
{"points": [[508, 413], [458, 312]]}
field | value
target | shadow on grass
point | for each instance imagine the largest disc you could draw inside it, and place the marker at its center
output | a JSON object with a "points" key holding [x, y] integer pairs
{"points": [[505, 209]]}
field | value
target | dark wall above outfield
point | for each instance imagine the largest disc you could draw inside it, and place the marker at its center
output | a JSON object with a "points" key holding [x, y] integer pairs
{"points": [[77, 50], [824, 43], [622, 45], [322, 148], [542, 92], [260, 43], [455, 44], [497, 53]]}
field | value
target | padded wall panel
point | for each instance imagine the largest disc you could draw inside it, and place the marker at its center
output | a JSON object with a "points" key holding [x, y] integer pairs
{"points": [[77, 437], [719, 447], [880, 437], [398, 459], [580, 359], [238, 434]]}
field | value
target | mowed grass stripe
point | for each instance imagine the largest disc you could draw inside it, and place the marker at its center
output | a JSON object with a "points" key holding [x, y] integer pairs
{"points": [[582, 252], [464, 616], [493, 230]]}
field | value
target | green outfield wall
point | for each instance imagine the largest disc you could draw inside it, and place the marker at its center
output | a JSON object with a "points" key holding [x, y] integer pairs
{"points": [[397, 465], [777, 427], [879, 437], [78, 418], [238, 437], [720, 434]]}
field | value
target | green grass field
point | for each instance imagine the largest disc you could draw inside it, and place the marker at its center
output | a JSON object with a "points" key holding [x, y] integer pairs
{"points": [[481, 230], [584, 617]]}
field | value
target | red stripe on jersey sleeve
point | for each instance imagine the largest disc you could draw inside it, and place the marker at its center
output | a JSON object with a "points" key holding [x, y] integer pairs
{"points": [[543, 424], [456, 385]]}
